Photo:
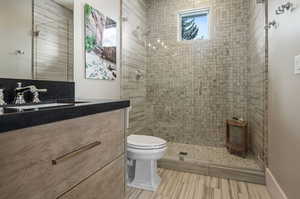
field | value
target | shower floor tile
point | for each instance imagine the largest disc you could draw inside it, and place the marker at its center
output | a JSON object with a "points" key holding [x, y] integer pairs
{"points": [[211, 155]]}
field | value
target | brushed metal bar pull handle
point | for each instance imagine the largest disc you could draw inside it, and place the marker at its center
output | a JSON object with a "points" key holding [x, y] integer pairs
{"points": [[75, 152]]}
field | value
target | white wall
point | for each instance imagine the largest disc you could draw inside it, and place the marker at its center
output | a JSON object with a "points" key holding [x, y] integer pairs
{"points": [[16, 34], [284, 100], [85, 88]]}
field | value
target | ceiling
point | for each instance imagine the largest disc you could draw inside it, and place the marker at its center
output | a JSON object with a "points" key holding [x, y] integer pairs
{"points": [[66, 3]]}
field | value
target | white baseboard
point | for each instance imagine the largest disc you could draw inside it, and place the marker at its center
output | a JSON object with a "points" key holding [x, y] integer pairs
{"points": [[274, 188]]}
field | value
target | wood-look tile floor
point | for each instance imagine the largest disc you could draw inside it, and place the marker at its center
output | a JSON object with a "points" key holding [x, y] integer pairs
{"points": [[180, 185]]}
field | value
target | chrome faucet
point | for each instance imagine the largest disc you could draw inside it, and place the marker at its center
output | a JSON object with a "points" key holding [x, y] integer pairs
{"points": [[2, 102], [19, 99]]}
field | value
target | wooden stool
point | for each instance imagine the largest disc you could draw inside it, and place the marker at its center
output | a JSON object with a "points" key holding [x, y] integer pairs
{"points": [[233, 147]]}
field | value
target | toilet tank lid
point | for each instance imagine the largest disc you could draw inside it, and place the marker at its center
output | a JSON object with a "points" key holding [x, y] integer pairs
{"points": [[144, 140]]}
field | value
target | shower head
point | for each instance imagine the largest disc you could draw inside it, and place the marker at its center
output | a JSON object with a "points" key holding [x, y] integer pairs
{"points": [[141, 33], [147, 32]]}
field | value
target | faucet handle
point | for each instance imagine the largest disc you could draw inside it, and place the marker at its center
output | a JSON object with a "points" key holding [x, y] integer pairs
{"points": [[36, 92], [34, 89], [44, 90], [2, 102], [19, 85]]}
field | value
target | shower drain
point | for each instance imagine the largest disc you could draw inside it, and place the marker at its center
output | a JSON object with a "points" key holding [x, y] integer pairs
{"points": [[182, 155]]}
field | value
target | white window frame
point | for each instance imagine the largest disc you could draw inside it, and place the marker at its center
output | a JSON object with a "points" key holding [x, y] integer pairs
{"points": [[192, 12]]}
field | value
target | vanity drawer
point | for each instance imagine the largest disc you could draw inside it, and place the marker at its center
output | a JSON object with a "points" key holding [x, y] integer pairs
{"points": [[107, 183], [45, 161]]}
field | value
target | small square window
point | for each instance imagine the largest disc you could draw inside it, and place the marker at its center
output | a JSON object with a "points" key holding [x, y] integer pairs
{"points": [[194, 25]]}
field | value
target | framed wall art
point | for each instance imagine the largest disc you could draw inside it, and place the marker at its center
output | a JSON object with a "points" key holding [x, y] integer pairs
{"points": [[100, 45]]}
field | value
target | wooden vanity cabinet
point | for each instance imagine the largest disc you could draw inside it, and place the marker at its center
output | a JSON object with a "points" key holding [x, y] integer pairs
{"points": [[105, 183], [76, 158]]}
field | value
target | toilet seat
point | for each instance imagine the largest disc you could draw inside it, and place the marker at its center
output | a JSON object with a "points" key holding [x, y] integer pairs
{"points": [[144, 142]]}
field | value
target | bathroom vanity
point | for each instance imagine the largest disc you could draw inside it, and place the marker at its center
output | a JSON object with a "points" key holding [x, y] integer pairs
{"points": [[68, 151], [52, 146]]}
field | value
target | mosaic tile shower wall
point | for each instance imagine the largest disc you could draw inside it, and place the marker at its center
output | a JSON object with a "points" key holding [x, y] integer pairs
{"points": [[194, 86]]}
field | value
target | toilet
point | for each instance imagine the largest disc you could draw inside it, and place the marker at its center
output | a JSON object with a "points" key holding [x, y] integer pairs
{"points": [[142, 154]]}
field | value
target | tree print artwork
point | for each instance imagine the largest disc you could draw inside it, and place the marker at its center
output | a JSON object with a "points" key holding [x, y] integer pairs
{"points": [[100, 45]]}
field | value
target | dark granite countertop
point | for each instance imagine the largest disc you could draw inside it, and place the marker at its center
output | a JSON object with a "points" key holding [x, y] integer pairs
{"points": [[12, 119]]}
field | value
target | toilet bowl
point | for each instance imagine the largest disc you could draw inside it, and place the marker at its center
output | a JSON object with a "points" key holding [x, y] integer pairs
{"points": [[143, 153]]}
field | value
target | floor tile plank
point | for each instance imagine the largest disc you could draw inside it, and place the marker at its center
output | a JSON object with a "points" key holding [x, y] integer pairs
{"points": [[182, 185]]}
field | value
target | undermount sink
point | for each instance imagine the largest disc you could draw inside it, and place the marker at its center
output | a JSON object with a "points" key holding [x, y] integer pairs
{"points": [[24, 107]]}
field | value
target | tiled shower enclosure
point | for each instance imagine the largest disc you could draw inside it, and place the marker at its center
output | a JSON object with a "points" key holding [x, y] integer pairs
{"points": [[189, 88]]}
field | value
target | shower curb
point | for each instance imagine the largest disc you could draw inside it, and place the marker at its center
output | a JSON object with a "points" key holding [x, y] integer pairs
{"points": [[204, 168]]}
